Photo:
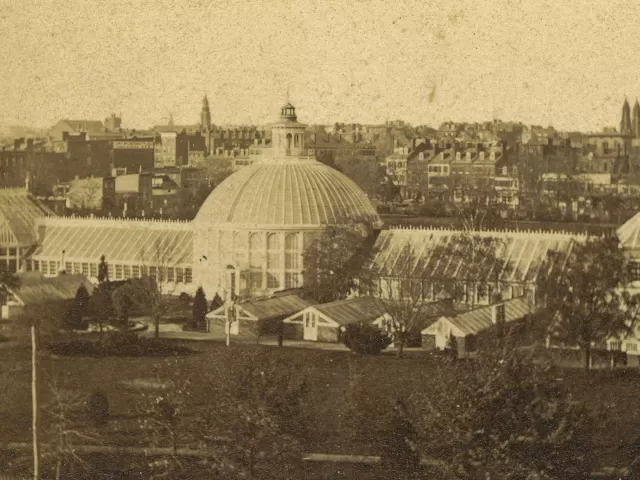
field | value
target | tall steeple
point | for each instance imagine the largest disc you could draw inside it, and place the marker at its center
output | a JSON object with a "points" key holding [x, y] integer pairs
{"points": [[625, 122], [205, 115], [635, 120], [170, 119]]}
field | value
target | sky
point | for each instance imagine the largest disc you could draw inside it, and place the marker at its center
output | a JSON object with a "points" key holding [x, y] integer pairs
{"points": [[569, 64]]}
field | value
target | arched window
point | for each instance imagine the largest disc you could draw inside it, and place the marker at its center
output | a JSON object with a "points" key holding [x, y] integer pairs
{"points": [[274, 260], [289, 140], [256, 260], [241, 247], [292, 260]]}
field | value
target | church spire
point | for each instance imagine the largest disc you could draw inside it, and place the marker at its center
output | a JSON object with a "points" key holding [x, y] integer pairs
{"points": [[205, 115], [635, 120], [625, 121], [170, 119]]}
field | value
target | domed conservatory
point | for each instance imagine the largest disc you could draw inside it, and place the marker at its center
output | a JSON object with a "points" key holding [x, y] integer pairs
{"points": [[246, 240], [250, 233]]}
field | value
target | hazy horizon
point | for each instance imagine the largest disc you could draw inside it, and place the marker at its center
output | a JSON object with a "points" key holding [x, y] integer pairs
{"points": [[537, 62]]}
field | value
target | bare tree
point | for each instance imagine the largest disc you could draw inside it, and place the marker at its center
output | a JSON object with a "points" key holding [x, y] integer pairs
{"points": [[87, 194], [149, 293], [402, 295], [160, 418], [65, 429]]}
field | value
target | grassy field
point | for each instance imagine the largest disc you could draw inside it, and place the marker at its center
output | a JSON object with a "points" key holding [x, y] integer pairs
{"points": [[384, 379]]}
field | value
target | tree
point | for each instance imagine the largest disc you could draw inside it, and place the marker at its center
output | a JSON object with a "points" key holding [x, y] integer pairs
{"points": [[365, 339], [399, 443], [216, 303], [122, 305], [199, 308], [585, 295], [402, 294], [260, 407], [77, 310], [502, 416], [331, 277], [101, 304], [160, 418], [366, 174], [64, 429], [147, 293], [8, 281], [98, 408]]}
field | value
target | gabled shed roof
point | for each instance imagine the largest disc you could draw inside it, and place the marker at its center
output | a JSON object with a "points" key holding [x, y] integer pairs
{"points": [[480, 319], [35, 289], [277, 306], [352, 310]]}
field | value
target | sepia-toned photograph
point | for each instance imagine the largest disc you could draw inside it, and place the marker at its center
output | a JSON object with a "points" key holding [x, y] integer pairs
{"points": [[303, 240]]}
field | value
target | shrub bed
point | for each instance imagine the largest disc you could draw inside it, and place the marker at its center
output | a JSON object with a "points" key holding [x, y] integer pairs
{"points": [[365, 339], [118, 344]]}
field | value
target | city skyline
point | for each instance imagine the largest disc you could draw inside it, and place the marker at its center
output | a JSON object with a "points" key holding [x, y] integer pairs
{"points": [[539, 63]]}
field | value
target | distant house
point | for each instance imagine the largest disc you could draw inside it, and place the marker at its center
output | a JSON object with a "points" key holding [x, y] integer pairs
{"points": [[38, 294], [325, 322], [66, 126], [258, 316], [467, 330]]}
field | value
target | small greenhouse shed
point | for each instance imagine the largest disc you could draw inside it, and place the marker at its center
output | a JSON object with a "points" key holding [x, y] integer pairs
{"points": [[325, 322], [466, 329], [38, 295], [258, 316]]}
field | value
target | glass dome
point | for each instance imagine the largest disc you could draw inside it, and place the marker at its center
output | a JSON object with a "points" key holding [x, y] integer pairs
{"points": [[284, 193], [251, 232]]}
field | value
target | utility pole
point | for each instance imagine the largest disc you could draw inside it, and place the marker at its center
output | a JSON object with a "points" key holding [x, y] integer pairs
{"points": [[34, 398]]}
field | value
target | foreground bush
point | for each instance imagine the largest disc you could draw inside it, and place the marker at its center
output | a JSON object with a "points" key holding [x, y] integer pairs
{"points": [[365, 339], [118, 344]]}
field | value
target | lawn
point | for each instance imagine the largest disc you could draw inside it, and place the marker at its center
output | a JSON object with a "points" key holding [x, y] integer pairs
{"points": [[384, 379]]}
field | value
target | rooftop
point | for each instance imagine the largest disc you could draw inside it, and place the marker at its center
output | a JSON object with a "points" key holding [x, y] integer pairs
{"points": [[353, 310], [289, 192], [35, 289], [442, 253], [480, 319], [119, 240], [19, 211]]}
